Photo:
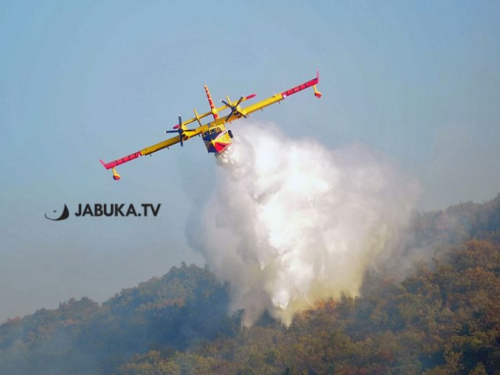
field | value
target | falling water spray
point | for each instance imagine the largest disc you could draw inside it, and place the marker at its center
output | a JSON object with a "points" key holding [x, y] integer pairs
{"points": [[291, 222]]}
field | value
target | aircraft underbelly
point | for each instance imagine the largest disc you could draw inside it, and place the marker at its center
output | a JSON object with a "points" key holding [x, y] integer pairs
{"points": [[217, 143]]}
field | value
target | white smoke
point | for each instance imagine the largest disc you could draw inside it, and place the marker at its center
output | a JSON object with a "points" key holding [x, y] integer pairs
{"points": [[291, 222]]}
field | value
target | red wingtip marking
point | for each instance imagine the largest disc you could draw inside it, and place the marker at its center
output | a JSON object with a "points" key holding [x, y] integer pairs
{"points": [[250, 96], [105, 165], [176, 127]]}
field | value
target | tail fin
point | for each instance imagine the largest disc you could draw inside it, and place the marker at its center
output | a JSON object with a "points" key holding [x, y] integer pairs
{"points": [[211, 102]]}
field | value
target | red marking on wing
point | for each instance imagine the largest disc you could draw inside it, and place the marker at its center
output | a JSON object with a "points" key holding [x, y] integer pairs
{"points": [[301, 87], [125, 159]]}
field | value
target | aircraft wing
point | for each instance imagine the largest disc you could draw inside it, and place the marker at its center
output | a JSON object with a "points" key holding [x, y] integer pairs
{"points": [[161, 145], [276, 98], [152, 149]]}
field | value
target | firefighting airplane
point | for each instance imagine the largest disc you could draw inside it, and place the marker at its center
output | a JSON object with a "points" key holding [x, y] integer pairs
{"points": [[214, 133]]}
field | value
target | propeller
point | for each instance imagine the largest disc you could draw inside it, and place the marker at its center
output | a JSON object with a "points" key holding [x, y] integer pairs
{"points": [[234, 108], [178, 129]]}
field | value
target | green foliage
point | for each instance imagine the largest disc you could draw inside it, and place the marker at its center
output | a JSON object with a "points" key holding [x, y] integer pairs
{"points": [[442, 319], [459, 223], [84, 337]]}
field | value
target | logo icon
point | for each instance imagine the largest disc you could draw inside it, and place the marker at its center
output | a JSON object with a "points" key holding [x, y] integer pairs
{"points": [[64, 215]]}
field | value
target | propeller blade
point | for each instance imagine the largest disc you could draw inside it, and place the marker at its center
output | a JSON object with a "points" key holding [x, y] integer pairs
{"points": [[237, 104], [234, 108], [239, 101], [230, 114]]}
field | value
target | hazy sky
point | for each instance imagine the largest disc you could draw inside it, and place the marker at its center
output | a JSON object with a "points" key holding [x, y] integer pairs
{"points": [[80, 81]]}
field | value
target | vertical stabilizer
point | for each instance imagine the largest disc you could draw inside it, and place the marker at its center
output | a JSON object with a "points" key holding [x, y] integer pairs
{"points": [[211, 102]]}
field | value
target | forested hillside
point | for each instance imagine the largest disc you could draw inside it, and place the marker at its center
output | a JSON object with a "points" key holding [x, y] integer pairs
{"points": [[443, 317]]}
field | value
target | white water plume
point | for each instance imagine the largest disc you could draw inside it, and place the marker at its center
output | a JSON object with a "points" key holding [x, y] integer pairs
{"points": [[292, 222]]}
